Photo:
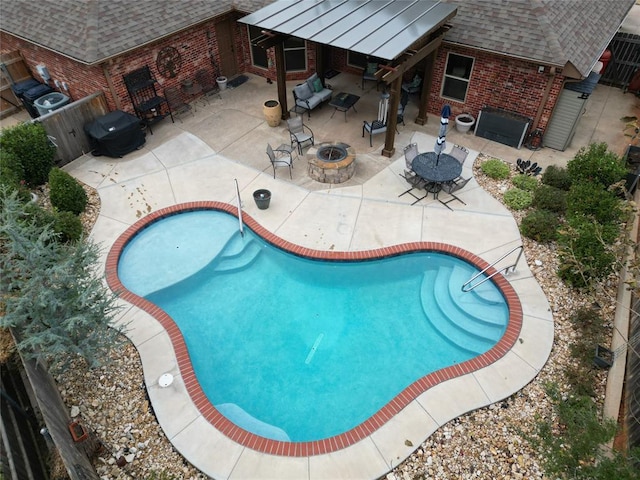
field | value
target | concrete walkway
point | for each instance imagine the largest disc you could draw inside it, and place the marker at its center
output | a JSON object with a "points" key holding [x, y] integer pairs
{"points": [[199, 158]]}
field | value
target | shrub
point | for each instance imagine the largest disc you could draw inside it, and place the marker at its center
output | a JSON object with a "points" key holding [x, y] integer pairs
{"points": [[586, 251], [518, 199], [525, 182], [66, 193], [12, 175], [591, 199], [596, 164], [68, 226], [28, 142], [546, 197], [496, 169], [557, 177], [541, 226], [38, 216]]}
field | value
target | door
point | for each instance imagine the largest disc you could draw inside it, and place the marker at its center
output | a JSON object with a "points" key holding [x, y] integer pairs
{"points": [[226, 48], [565, 118]]}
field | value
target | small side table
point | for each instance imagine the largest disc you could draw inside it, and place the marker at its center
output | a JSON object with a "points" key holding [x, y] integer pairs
{"points": [[192, 90]]}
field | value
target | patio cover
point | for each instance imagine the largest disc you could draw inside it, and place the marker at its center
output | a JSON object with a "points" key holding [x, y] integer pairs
{"points": [[380, 28]]}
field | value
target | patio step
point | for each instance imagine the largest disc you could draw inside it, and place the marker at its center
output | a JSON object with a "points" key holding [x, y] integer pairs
{"points": [[449, 322]]}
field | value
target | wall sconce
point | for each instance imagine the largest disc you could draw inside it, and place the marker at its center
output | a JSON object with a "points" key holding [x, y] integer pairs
{"points": [[540, 69]]}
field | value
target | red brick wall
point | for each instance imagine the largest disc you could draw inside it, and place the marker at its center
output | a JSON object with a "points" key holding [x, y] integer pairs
{"points": [[496, 81], [499, 82]]}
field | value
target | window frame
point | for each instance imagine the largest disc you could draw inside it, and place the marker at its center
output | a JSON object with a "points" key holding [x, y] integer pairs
{"points": [[253, 47], [296, 49], [446, 76]]}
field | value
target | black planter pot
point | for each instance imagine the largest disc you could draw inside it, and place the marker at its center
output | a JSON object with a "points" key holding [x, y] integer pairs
{"points": [[262, 198]]}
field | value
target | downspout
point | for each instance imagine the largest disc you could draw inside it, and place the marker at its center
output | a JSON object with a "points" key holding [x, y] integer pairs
{"points": [[112, 90], [545, 98]]}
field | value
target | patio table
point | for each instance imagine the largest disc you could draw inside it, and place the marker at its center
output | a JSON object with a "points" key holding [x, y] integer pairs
{"points": [[436, 171], [343, 102]]}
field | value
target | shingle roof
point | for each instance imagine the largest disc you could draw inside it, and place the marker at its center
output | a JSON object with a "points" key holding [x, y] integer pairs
{"points": [[554, 32], [93, 30]]}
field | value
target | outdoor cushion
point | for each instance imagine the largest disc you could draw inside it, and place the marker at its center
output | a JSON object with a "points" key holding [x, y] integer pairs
{"points": [[311, 102], [312, 79], [303, 92], [317, 85]]}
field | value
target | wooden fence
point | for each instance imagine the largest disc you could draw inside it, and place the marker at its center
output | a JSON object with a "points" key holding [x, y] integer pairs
{"points": [[65, 126]]}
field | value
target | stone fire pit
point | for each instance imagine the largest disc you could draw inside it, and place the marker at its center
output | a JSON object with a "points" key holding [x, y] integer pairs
{"points": [[331, 162]]}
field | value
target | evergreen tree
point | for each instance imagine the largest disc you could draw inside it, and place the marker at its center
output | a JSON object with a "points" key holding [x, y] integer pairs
{"points": [[55, 302]]}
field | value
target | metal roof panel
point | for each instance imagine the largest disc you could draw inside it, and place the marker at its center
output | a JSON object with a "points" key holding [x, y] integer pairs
{"points": [[384, 28]]}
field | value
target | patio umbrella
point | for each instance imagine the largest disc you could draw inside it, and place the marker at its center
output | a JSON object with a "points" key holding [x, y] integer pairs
{"points": [[440, 142]]}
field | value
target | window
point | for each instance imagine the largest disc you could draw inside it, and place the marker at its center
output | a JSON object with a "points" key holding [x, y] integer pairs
{"points": [[456, 77], [295, 54], [258, 55]]}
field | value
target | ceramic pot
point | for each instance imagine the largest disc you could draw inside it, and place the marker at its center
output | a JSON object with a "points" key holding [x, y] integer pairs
{"points": [[272, 112], [464, 122]]}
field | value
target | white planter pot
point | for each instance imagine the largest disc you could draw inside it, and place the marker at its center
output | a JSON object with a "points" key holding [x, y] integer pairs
{"points": [[464, 122], [222, 82]]}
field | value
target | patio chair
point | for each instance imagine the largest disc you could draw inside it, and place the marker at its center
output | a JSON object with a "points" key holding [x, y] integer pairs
{"points": [[417, 183], [369, 73], [410, 152], [280, 157], [459, 153], [177, 105], [299, 132], [208, 83], [450, 188]]}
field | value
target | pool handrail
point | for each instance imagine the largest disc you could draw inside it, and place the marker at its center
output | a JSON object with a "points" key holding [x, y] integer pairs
{"points": [[508, 269], [239, 205]]}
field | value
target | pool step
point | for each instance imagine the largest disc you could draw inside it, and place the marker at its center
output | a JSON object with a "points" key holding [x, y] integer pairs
{"points": [[448, 321], [237, 254], [480, 304]]}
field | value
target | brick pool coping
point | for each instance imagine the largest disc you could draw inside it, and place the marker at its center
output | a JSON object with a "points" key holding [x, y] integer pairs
{"points": [[365, 429]]}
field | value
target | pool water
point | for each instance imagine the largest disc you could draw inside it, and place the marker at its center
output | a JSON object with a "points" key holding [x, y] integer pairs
{"points": [[296, 349]]}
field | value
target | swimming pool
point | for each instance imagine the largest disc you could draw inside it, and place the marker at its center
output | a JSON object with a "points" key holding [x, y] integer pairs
{"points": [[322, 343]]}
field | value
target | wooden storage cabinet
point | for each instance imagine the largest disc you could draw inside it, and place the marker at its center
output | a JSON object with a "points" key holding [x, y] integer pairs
{"points": [[150, 107]]}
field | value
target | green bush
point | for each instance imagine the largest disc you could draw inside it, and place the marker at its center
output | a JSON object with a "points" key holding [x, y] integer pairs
{"points": [[518, 199], [38, 216], [541, 226], [66, 193], [596, 164], [496, 169], [585, 251], [68, 226], [12, 175], [556, 177], [591, 199], [546, 197], [29, 143], [525, 182]]}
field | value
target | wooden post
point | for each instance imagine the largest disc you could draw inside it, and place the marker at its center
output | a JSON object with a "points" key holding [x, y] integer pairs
{"points": [[421, 119], [392, 118], [281, 79]]}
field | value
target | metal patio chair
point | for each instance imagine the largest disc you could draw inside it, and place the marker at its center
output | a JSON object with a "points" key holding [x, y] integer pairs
{"points": [[410, 152], [299, 132], [451, 188], [280, 157]]}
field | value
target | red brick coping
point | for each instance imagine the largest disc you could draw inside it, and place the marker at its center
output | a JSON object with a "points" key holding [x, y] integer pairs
{"points": [[343, 440]]}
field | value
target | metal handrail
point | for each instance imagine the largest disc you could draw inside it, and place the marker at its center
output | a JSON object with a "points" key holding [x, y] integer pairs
{"points": [[509, 269], [239, 205]]}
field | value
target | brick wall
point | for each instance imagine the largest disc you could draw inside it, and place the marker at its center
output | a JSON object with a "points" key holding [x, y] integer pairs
{"points": [[496, 81]]}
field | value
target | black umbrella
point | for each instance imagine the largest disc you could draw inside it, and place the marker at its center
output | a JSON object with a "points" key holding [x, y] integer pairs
{"points": [[440, 142]]}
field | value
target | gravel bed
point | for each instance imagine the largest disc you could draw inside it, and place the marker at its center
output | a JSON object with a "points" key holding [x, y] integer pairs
{"points": [[487, 443]]}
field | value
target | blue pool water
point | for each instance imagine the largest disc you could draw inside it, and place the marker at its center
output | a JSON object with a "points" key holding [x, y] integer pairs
{"points": [[297, 349]]}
